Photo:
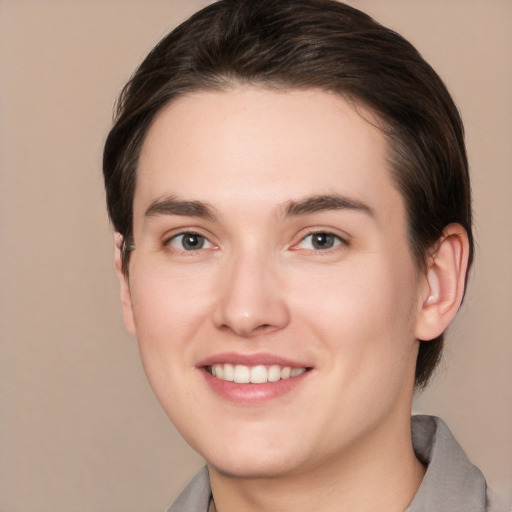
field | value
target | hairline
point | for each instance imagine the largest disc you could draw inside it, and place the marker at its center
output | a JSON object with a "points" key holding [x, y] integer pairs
{"points": [[228, 83]]}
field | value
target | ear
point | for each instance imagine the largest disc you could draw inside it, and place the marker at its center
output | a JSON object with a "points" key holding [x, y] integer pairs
{"points": [[444, 282], [126, 297]]}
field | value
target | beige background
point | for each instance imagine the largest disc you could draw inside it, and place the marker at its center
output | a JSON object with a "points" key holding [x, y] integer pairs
{"points": [[80, 429]]}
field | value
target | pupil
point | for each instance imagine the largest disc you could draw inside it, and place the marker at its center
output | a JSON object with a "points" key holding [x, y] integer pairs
{"points": [[193, 242], [323, 241]]}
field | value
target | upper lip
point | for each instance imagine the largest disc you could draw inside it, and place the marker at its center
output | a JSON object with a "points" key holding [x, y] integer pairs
{"points": [[264, 358]]}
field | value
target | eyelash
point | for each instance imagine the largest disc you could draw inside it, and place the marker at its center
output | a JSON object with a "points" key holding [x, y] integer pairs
{"points": [[337, 241], [203, 240], [334, 239]]}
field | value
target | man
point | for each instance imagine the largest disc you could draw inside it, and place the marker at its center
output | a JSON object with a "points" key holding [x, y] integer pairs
{"points": [[289, 187]]}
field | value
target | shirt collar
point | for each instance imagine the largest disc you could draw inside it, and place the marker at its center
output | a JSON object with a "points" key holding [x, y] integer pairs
{"points": [[451, 483]]}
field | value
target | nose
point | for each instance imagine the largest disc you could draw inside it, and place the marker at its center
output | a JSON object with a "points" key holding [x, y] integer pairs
{"points": [[252, 297]]}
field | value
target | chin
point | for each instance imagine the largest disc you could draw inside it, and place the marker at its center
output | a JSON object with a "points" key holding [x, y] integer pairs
{"points": [[257, 467], [251, 459]]}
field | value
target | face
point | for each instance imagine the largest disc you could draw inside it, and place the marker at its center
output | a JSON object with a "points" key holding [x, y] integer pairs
{"points": [[272, 289]]}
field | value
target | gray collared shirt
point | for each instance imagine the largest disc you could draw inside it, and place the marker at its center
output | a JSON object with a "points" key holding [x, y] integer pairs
{"points": [[451, 483]]}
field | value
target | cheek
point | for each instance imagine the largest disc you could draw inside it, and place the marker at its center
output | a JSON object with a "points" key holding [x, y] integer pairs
{"points": [[363, 314], [167, 301], [166, 314], [168, 311]]}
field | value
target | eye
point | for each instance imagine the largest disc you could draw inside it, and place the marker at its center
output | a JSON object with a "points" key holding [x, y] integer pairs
{"points": [[320, 241], [189, 242]]}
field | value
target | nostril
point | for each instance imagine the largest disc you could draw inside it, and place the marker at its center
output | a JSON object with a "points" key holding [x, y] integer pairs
{"points": [[250, 308]]}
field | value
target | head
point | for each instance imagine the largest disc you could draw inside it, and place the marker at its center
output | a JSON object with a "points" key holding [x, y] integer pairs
{"points": [[300, 45]]}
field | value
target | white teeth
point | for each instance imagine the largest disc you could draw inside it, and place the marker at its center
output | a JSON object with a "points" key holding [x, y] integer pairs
{"points": [[242, 374], [258, 374], [297, 371], [229, 372], [286, 372], [274, 373]]}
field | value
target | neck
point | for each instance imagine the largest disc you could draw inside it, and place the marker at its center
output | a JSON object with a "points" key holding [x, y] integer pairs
{"points": [[379, 473]]}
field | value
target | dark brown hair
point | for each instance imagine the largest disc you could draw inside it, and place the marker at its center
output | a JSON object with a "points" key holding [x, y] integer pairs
{"points": [[298, 44]]}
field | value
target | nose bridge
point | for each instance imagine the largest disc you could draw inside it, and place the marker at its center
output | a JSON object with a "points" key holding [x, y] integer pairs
{"points": [[251, 301]]}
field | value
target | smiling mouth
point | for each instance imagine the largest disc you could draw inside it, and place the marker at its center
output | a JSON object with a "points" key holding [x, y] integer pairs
{"points": [[259, 374]]}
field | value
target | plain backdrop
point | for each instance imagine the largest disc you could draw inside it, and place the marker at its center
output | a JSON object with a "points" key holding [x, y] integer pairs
{"points": [[80, 429]]}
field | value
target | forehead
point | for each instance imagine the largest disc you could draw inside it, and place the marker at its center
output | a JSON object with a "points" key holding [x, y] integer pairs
{"points": [[258, 145]]}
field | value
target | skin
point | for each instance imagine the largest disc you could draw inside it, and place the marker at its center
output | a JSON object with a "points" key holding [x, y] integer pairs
{"points": [[350, 313]]}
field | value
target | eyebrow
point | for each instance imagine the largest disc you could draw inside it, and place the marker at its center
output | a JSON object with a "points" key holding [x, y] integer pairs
{"points": [[320, 203], [171, 205]]}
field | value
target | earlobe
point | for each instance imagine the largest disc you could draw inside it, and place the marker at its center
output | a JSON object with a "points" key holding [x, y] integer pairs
{"points": [[126, 299], [444, 279]]}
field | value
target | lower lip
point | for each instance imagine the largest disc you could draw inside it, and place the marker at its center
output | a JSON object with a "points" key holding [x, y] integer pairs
{"points": [[253, 393]]}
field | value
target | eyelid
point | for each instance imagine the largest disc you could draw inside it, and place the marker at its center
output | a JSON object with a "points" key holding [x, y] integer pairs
{"points": [[342, 237], [177, 232]]}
